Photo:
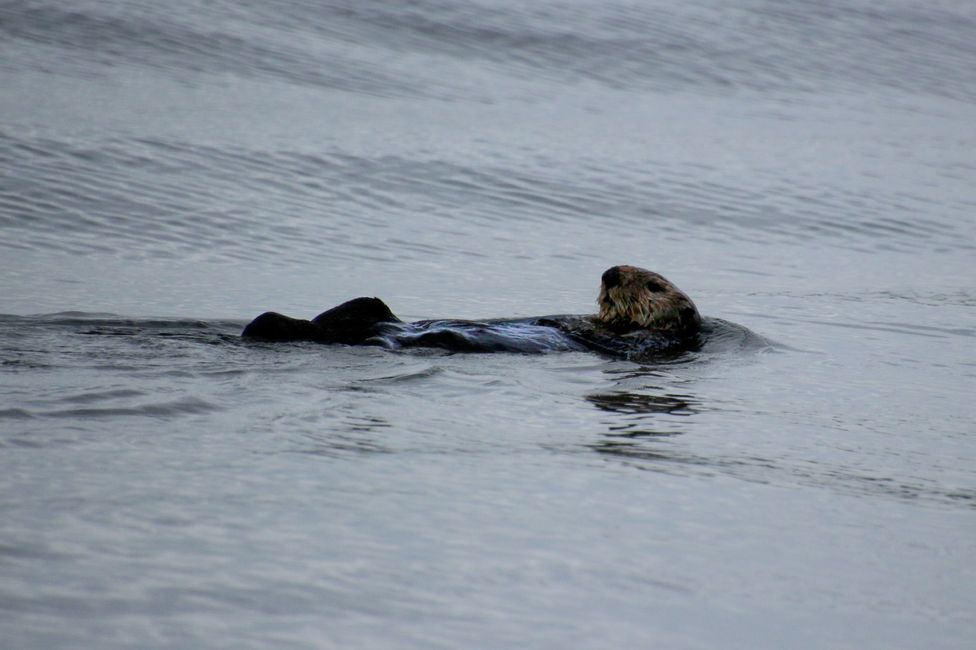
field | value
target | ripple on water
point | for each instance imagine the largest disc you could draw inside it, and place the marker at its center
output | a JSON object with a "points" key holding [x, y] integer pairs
{"points": [[166, 200], [657, 450], [94, 38], [708, 47], [378, 48], [166, 409]]}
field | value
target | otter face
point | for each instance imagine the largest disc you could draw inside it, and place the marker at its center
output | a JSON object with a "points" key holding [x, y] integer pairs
{"points": [[633, 297]]}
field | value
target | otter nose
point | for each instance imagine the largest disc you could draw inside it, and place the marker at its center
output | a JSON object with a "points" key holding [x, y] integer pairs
{"points": [[611, 277]]}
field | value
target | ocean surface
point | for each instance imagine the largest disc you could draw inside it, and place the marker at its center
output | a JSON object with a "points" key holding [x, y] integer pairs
{"points": [[806, 170]]}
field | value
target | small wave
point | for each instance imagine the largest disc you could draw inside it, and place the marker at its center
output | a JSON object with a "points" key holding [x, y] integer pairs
{"points": [[794, 46], [174, 408], [74, 316], [651, 452], [925, 331], [725, 336], [15, 414], [358, 45], [405, 376], [97, 320], [88, 397], [169, 199], [109, 35]]}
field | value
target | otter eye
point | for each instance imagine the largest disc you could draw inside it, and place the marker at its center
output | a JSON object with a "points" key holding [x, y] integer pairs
{"points": [[654, 287]]}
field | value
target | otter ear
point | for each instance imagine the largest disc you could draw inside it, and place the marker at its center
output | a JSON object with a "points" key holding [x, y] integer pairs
{"points": [[654, 287]]}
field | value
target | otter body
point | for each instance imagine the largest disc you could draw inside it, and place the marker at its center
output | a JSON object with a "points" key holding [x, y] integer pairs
{"points": [[640, 313]]}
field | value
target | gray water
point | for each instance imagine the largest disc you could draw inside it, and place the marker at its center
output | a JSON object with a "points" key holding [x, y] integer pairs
{"points": [[170, 170]]}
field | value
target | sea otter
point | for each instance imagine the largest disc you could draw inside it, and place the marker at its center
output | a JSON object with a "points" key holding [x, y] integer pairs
{"points": [[641, 313]]}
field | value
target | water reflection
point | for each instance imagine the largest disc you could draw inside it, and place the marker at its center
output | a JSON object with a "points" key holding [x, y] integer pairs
{"points": [[639, 418], [651, 402], [641, 404], [642, 423]]}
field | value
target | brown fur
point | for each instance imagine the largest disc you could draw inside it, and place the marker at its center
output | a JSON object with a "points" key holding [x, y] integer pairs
{"points": [[639, 298]]}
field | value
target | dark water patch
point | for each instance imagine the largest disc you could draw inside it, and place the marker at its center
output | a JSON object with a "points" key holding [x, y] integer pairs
{"points": [[15, 414], [30, 551], [642, 404], [18, 360], [966, 496]]}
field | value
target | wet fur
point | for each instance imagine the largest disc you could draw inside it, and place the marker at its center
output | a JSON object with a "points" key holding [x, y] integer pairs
{"points": [[641, 312], [646, 300]]}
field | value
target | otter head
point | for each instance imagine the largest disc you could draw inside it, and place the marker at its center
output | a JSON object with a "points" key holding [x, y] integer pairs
{"points": [[631, 297]]}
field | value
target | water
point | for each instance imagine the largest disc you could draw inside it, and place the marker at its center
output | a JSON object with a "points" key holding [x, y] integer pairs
{"points": [[168, 172]]}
